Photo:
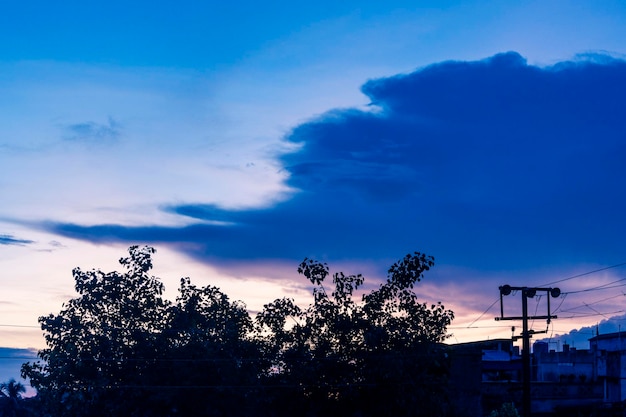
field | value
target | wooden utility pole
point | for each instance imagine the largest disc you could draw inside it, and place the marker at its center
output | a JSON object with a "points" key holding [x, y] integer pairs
{"points": [[527, 292]]}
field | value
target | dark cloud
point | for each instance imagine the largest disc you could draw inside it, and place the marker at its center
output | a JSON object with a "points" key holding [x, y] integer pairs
{"points": [[10, 240], [92, 131], [7, 353], [493, 164]]}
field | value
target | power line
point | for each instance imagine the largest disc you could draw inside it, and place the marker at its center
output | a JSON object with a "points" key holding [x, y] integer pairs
{"points": [[592, 303], [484, 312], [606, 286], [585, 273], [563, 297], [593, 309], [538, 298], [577, 316], [478, 327]]}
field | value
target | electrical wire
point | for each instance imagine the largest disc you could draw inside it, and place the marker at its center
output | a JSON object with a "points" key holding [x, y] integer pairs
{"points": [[484, 312], [563, 297], [582, 315], [538, 298], [600, 287], [585, 273], [478, 327], [595, 302]]}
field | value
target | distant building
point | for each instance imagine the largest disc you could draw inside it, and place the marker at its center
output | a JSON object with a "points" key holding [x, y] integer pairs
{"points": [[483, 376], [610, 354], [564, 380], [486, 374], [570, 364]]}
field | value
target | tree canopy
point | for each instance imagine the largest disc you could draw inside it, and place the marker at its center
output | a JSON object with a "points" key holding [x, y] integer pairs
{"points": [[119, 348], [381, 356]]}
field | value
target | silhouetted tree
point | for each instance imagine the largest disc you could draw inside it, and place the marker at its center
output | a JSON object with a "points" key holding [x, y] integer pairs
{"points": [[101, 343], [121, 349], [381, 356], [211, 353], [10, 398]]}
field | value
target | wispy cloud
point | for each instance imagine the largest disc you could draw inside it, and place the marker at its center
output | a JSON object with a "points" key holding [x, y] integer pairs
{"points": [[56, 244], [11, 240], [93, 131]]}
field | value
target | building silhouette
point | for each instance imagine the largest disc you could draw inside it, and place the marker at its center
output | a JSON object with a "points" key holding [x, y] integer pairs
{"points": [[484, 375]]}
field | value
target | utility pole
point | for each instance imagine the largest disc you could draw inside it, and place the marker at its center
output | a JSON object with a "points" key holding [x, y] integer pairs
{"points": [[527, 292]]}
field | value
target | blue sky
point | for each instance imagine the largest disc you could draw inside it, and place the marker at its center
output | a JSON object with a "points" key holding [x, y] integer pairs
{"points": [[238, 138]]}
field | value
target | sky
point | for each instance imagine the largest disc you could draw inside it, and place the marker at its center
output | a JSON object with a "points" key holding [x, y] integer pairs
{"points": [[238, 138]]}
